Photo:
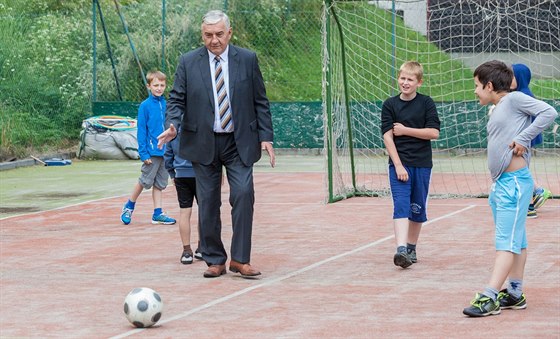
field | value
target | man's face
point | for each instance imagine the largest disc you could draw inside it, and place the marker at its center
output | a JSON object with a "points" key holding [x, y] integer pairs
{"points": [[216, 37]]}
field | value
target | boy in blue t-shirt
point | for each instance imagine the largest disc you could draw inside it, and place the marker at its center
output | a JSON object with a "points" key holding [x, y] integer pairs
{"points": [[151, 115], [409, 121]]}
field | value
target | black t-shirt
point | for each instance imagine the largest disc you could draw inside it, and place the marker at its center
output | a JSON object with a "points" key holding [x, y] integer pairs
{"points": [[419, 112]]}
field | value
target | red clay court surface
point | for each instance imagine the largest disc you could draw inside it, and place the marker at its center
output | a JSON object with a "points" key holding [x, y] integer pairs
{"points": [[327, 271]]}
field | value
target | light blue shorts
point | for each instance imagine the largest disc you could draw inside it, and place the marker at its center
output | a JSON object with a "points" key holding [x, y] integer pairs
{"points": [[509, 199]]}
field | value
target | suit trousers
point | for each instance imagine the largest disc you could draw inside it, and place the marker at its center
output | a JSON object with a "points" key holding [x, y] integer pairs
{"points": [[241, 199]]}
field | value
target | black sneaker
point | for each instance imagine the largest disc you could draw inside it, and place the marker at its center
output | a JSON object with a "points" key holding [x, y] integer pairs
{"points": [[197, 255], [186, 258], [507, 301], [412, 255], [402, 259], [482, 306]]}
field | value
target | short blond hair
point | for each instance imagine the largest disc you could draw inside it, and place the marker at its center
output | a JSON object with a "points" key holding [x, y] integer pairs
{"points": [[155, 75], [413, 67]]}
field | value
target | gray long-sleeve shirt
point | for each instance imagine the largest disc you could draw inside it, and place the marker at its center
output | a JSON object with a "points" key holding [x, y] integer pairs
{"points": [[511, 121]]}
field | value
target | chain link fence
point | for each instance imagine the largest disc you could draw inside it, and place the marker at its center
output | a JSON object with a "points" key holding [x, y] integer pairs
{"points": [[284, 33], [53, 67]]}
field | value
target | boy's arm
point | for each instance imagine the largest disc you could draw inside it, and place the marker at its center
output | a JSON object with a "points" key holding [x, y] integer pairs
{"points": [[544, 116], [420, 133], [402, 174], [430, 131], [142, 134]]}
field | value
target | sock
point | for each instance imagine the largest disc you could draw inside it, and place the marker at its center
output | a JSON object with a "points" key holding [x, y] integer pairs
{"points": [[187, 248], [410, 247], [515, 288], [401, 249], [130, 204], [157, 212], [490, 293]]}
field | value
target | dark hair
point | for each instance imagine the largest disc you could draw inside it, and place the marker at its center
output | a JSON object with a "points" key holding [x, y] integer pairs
{"points": [[496, 72]]}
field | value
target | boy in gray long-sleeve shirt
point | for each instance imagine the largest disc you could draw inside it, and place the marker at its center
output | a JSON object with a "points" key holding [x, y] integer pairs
{"points": [[510, 132]]}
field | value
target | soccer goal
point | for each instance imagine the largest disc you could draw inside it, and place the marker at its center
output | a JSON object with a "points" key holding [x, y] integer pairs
{"points": [[364, 44]]}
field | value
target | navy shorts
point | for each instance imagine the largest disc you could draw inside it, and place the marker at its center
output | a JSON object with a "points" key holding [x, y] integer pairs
{"points": [[186, 191], [410, 197]]}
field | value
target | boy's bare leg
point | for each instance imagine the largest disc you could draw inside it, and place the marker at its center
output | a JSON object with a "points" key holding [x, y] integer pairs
{"points": [[414, 229], [503, 265], [518, 268], [156, 196], [136, 192], [401, 231], [185, 225]]}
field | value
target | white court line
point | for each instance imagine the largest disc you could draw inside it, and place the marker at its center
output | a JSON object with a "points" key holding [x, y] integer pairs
{"points": [[284, 277], [62, 207]]}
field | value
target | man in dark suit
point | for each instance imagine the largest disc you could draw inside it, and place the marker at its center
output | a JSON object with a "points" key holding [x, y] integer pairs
{"points": [[219, 100]]}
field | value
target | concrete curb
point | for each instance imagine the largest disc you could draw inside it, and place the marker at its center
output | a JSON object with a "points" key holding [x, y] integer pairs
{"points": [[31, 162]]}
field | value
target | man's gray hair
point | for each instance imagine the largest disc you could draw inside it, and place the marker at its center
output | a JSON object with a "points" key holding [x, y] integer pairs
{"points": [[215, 16]]}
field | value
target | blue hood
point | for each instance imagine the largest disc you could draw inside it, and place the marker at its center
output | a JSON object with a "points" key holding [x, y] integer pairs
{"points": [[522, 75]]}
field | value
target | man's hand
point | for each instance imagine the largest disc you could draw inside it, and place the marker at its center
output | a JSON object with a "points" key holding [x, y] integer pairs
{"points": [[167, 135], [518, 149], [267, 146]]}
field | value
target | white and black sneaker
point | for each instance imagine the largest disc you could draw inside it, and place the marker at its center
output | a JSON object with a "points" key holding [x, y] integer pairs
{"points": [[186, 258], [197, 254]]}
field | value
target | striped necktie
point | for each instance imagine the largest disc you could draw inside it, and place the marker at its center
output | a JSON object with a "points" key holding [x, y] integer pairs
{"points": [[223, 103]]}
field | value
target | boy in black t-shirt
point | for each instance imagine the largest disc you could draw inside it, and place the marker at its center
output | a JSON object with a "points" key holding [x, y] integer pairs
{"points": [[408, 122]]}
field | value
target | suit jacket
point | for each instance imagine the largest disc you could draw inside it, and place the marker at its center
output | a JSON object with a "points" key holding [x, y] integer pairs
{"points": [[191, 105]]}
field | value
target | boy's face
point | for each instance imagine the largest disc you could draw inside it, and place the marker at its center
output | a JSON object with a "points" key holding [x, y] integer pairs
{"points": [[482, 93], [513, 83], [408, 83], [157, 87]]}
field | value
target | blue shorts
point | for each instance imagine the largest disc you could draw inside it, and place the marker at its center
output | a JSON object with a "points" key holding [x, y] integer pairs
{"points": [[410, 197], [509, 199]]}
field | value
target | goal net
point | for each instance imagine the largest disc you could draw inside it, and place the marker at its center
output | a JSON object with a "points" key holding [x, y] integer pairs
{"points": [[364, 44]]}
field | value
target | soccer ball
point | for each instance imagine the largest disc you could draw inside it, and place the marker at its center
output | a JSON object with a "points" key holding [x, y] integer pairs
{"points": [[143, 307]]}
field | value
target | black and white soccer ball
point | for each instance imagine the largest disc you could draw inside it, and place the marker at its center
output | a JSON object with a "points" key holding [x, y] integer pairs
{"points": [[143, 307]]}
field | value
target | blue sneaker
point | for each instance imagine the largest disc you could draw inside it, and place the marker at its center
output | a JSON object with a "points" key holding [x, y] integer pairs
{"points": [[163, 219], [126, 215]]}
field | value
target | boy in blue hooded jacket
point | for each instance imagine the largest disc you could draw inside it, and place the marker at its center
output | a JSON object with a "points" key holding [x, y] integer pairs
{"points": [[151, 115], [520, 82]]}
